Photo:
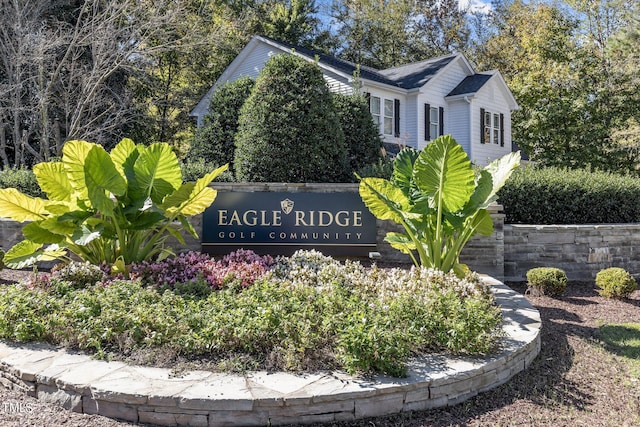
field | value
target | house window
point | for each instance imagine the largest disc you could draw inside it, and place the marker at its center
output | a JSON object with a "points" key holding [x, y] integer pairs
{"points": [[492, 127], [375, 110], [388, 117], [487, 127], [434, 122]]}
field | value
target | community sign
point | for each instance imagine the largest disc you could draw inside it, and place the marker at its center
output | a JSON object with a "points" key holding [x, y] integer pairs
{"points": [[279, 223]]}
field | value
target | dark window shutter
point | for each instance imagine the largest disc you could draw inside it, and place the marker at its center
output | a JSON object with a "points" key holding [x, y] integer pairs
{"points": [[441, 120], [367, 96], [427, 122], [396, 114], [482, 141], [501, 130]]}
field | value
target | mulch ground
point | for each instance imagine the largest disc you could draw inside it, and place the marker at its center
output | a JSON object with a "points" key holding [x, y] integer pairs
{"points": [[575, 381]]}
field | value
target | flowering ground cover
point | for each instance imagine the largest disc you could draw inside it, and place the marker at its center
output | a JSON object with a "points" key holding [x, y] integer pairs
{"points": [[244, 311]]}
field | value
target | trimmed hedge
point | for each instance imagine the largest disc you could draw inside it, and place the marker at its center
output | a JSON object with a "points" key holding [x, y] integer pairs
{"points": [[214, 141], [562, 196], [615, 282], [22, 179], [361, 135], [289, 130], [549, 281]]}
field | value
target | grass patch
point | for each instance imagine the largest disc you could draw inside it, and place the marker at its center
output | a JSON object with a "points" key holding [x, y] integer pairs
{"points": [[623, 340]]}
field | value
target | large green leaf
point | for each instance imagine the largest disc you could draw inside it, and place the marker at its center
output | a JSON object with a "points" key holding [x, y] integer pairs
{"points": [[193, 198], [481, 194], [23, 254], [83, 235], [52, 178], [53, 252], [384, 200], [102, 178], [401, 242], [145, 221], [157, 173], [403, 169], [74, 155], [482, 223], [500, 170], [173, 202], [443, 171], [124, 156], [20, 207], [36, 233], [57, 226]]}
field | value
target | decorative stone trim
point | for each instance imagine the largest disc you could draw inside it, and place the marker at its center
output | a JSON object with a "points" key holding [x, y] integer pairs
{"points": [[152, 395]]}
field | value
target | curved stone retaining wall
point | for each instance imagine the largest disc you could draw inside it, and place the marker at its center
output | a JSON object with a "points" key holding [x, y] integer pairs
{"points": [[153, 395]]}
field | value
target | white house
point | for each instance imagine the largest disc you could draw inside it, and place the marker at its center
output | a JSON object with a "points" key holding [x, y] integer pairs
{"points": [[412, 104]]}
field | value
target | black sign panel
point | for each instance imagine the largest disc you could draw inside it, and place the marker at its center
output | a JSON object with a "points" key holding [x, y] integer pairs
{"points": [[279, 223]]}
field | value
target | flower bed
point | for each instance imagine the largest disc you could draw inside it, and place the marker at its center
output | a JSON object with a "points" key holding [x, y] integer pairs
{"points": [[304, 312]]}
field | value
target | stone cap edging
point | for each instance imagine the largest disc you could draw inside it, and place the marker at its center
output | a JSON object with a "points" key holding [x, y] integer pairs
{"points": [[155, 396]]}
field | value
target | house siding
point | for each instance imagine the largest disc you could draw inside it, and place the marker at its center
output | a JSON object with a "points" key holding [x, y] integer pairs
{"points": [[458, 123], [337, 84], [409, 137], [489, 98], [254, 62]]}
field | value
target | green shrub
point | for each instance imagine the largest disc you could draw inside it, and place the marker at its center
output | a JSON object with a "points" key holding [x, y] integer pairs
{"points": [[562, 196], [382, 168], [361, 135], [549, 281], [288, 127], [22, 179], [615, 282], [214, 141], [193, 168]]}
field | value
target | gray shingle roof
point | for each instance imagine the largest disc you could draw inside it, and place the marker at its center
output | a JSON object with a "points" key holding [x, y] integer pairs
{"points": [[409, 76], [417, 74], [471, 84]]}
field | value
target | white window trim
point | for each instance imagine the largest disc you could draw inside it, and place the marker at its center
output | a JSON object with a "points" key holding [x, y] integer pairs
{"points": [[491, 129], [434, 110], [388, 118], [375, 113]]}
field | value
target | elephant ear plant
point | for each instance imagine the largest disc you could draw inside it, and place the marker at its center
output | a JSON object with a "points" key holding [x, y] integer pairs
{"points": [[115, 208], [439, 199]]}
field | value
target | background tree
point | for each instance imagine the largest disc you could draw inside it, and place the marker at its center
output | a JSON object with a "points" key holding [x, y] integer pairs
{"points": [[572, 93], [439, 28], [291, 21], [214, 141], [65, 68], [389, 33], [288, 128], [373, 33]]}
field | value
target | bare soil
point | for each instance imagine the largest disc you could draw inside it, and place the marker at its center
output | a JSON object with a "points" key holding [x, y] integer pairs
{"points": [[575, 381]]}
